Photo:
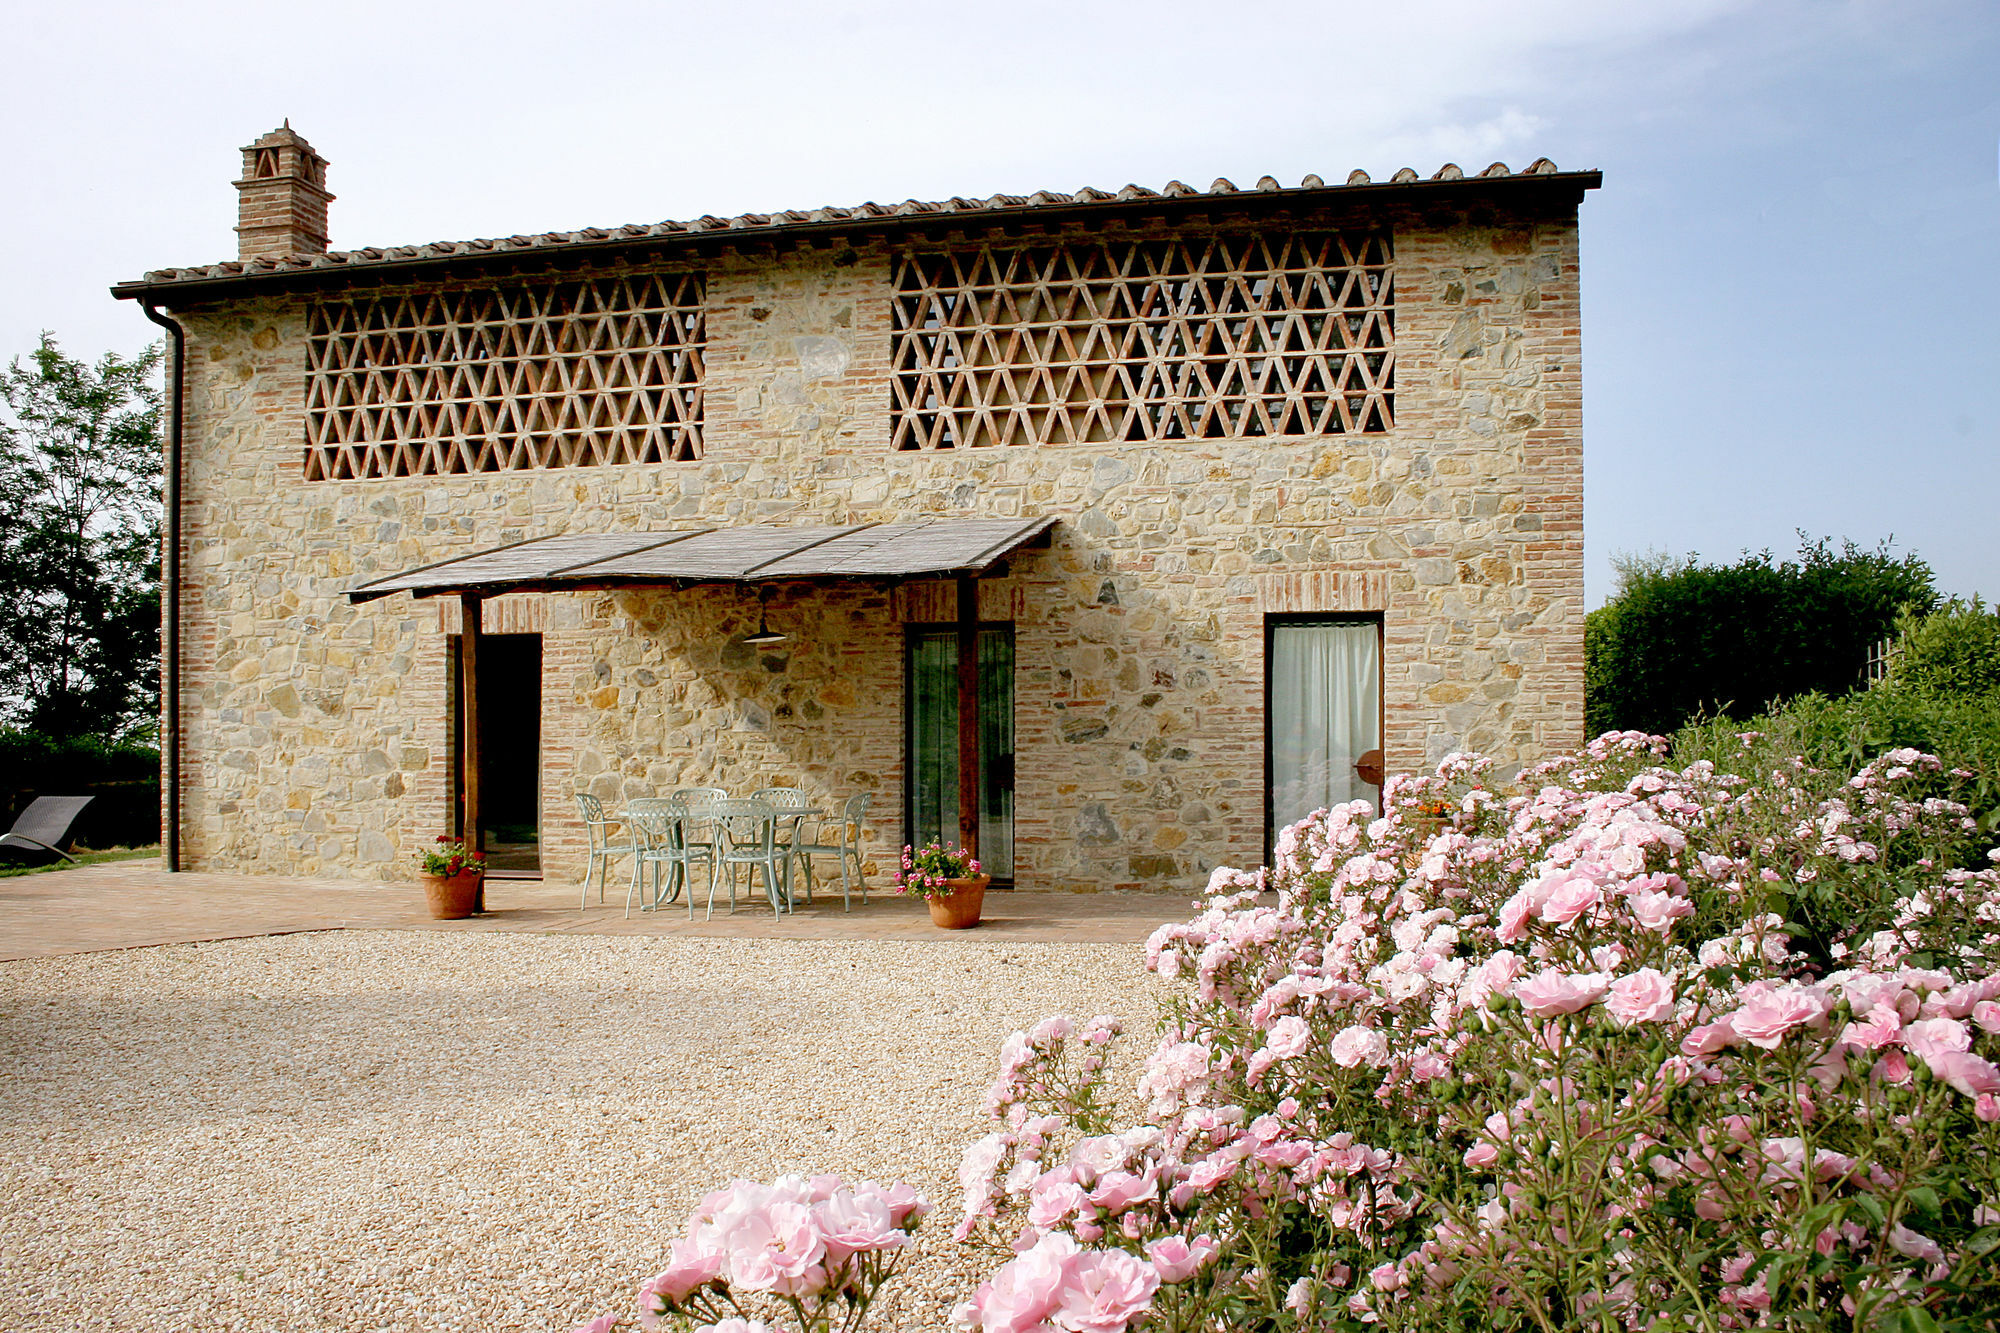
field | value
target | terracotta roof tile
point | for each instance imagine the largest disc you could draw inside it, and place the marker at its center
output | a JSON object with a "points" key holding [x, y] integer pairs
{"points": [[993, 204]]}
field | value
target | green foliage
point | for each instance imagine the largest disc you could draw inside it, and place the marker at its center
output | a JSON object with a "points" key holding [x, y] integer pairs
{"points": [[1682, 639], [124, 777], [1840, 736], [79, 554], [34, 759], [1954, 650]]}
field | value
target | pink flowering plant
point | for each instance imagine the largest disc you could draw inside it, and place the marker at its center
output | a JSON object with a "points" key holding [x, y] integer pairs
{"points": [[927, 871], [803, 1255], [1624, 1047]]}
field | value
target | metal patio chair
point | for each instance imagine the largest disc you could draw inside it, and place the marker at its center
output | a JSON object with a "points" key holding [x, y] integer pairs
{"points": [[848, 848], [598, 825], [652, 821], [792, 830], [44, 825], [694, 840], [747, 836]]}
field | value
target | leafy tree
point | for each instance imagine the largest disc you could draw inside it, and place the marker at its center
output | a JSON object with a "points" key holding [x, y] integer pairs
{"points": [[79, 548], [1682, 638]]}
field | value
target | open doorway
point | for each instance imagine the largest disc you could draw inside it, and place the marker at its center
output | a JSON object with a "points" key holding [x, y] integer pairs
{"points": [[510, 751], [931, 740]]}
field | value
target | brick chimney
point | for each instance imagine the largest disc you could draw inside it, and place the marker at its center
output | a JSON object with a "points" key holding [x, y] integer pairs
{"points": [[282, 207]]}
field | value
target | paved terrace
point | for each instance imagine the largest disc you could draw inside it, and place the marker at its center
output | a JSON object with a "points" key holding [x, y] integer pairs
{"points": [[136, 904]]}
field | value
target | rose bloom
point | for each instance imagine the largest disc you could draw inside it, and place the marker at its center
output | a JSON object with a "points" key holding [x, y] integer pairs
{"points": [[1053, 1200], [857, 1220], [981, 1160], [776, 1248], [1880, 1026], [1359, 1045], [1643, 997], [1966, 1072], [1551, 992], [1514, 916], [1658, 911], [1020, 1297], [1119, 1190], [905, 1204], [1177, 1260], [1105, 1291], [1913, 1244], [1768, 1012], [1570, 899], [1708, 1038], [1288, 1037], [1929, 1037], [689, 1265], [1104, 1152], [1987, 1014]]}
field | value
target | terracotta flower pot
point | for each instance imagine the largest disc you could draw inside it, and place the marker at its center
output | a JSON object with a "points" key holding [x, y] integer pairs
{"points": [[961, 909], [453, 897]]}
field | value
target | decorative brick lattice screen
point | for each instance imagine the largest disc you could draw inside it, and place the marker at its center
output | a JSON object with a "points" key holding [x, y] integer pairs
{"points": [[572, 372], [1194, 337]]}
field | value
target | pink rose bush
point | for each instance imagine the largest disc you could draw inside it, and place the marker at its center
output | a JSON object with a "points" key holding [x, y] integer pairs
{"points": [[1624, 1047], [802, 1254]]}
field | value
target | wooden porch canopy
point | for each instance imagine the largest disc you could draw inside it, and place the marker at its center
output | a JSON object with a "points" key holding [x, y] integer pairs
{"points": [[959, 548], [753, 553]]}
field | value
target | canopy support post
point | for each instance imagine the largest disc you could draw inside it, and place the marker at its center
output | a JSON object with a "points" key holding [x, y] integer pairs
{"points": [[470, 613], [968, 714]]}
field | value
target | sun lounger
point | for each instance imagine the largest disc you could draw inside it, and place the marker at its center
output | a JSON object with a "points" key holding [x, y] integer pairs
{"points": [[44, 825]]}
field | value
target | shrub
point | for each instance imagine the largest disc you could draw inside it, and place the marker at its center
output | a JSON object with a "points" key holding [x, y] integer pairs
{"points": [[1552, 1059], [1574, 1056], [807, 1255], [1955, 650], [1683, 638], [125, 779], [1843, 735]]}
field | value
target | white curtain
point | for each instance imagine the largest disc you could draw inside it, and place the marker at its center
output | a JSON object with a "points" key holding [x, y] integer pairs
{"points": [[1326, 712]]}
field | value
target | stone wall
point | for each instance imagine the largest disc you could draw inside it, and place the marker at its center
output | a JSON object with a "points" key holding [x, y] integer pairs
{"points": [[317, 733]]}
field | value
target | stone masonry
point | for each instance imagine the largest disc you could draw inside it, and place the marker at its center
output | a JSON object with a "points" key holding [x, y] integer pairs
{"points": [[318, 733]]}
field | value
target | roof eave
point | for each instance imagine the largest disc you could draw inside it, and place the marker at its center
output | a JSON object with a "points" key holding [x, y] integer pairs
{"points": [[193, 291]]}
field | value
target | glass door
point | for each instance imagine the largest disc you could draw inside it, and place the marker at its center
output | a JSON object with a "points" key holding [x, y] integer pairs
{"points": [[1323, 716], [931, 732]]}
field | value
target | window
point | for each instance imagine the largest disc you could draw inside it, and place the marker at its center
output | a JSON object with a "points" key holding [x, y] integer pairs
{"points": [[931, 741], [1323, 715], [569, 372], [1191, 337]]}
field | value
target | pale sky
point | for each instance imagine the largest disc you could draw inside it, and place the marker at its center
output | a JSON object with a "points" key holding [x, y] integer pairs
{"points": [[1789, 276]]}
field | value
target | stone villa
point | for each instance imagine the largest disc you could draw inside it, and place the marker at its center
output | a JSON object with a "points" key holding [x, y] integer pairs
{"points": [[1248, 493]]}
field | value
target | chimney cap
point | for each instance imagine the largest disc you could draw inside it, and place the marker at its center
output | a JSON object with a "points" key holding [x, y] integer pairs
{"points": [[282, 137], [282, 203]]}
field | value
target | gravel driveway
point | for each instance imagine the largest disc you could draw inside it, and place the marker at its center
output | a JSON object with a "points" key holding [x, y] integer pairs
{"points": [[364, 1131]]}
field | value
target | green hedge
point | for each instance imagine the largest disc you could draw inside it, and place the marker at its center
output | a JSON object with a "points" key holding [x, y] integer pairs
{"points": [[1683, 639], [125, 779]]}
